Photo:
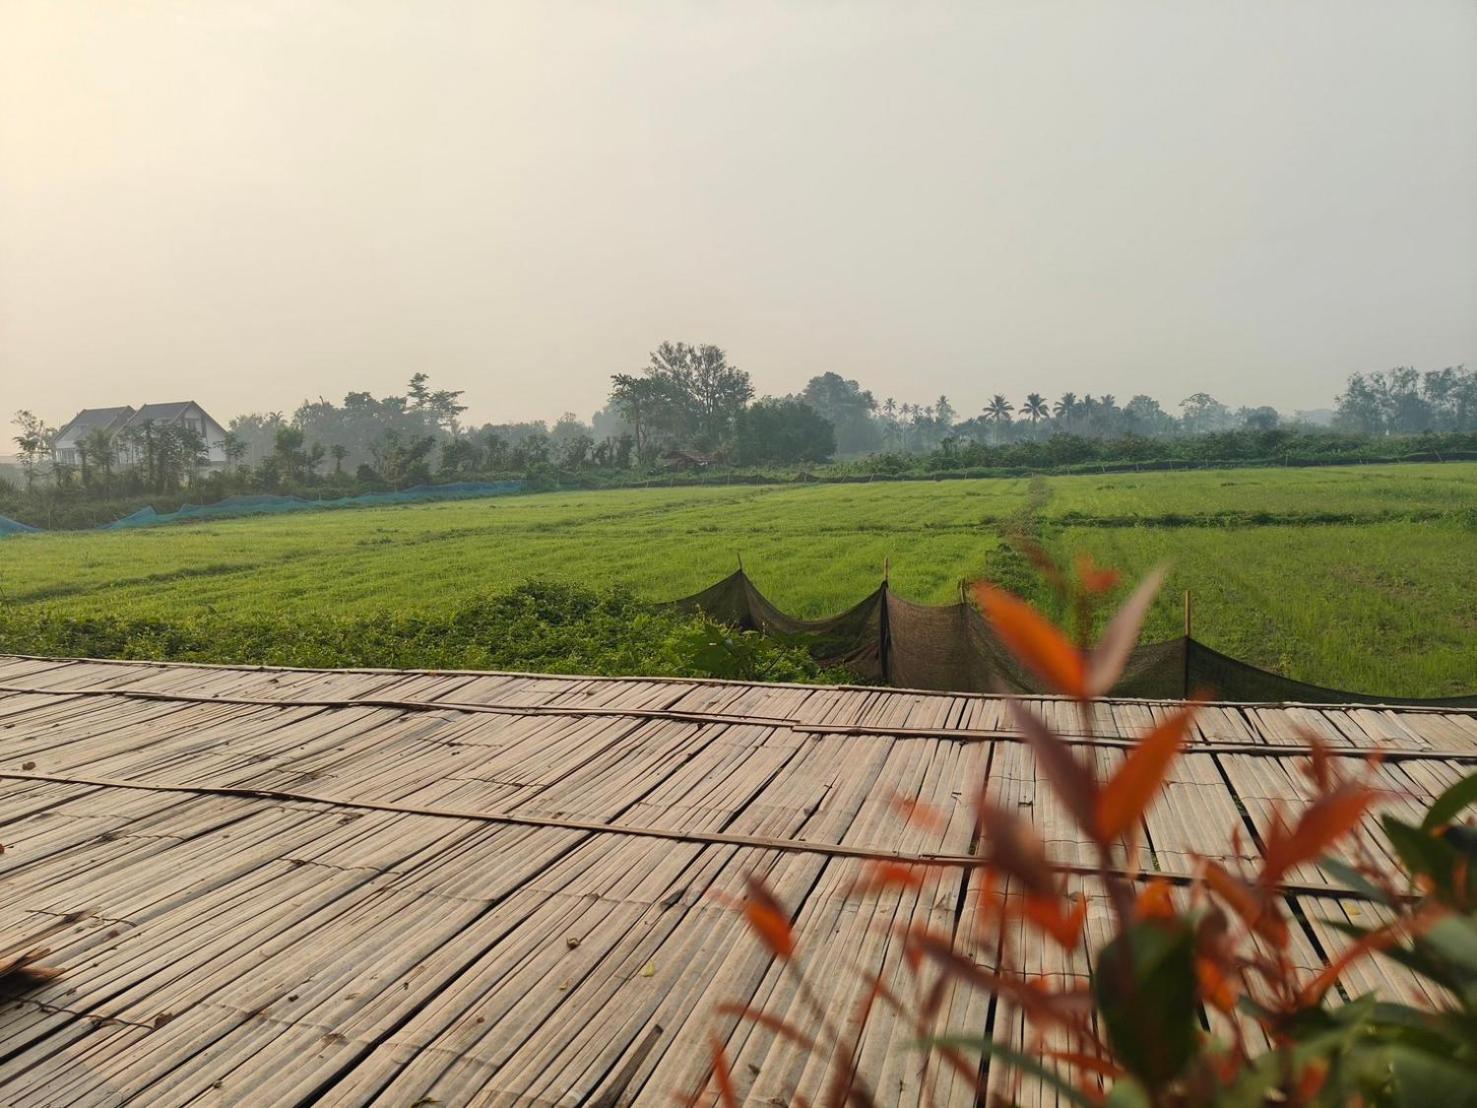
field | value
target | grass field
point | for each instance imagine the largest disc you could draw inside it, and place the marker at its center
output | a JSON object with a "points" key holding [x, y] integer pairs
{"points": [[1354, 577]]}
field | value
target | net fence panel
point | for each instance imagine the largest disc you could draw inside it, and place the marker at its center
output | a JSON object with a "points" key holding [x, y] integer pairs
{"points": [[947, 647], [1231, 679], [951, 648], [851, 640]]}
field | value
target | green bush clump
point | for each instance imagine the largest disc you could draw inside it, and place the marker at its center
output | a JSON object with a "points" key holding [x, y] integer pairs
{"points": [[539, 626]]}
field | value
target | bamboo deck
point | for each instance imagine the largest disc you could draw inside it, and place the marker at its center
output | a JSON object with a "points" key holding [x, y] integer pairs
{"points": [[286, 887]]}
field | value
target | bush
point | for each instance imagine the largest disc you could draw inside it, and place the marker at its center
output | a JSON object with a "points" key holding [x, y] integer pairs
{"points": [[538, 626]]}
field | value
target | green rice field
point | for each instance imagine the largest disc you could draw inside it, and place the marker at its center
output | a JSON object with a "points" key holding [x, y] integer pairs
{"points": [[1353, 577]]}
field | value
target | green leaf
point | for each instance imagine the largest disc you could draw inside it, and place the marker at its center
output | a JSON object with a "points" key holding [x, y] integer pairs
{"points": [[1268, 1070], [1424, 1080], [1256, 1011], [1145, 988], [1455, 939], [1127, 1093], [1450, 803], [1355, 880], [1023, 1062], [1421, 853], [1460, 837]]}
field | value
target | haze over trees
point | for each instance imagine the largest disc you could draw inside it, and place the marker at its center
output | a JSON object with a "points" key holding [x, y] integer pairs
{"points": [[1403, 401], [691, 406]]}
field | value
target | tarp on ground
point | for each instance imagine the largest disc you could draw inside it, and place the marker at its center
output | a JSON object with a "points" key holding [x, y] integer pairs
{"points": [[266, 504], [14, 526], [950, 647]]}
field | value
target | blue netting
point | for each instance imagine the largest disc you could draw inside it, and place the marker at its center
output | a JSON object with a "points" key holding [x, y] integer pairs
{"points": [[13, 527], [264, 504], [273, 505]]}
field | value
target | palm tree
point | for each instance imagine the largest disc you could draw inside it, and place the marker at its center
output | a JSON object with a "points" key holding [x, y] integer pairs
{"points": [[1066, 407], [1035, 408], [997, 411]]}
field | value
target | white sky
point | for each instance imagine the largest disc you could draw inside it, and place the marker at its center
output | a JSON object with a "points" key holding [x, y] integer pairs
{"points": [[248, 203]]}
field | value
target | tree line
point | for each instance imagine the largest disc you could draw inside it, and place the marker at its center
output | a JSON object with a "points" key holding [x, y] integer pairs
{"points": [[691, 407]]}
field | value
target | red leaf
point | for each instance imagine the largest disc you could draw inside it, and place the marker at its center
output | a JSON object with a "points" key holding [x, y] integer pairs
{"points": [[1047, 913], [1372, 942], [1036, 554], [1085, 1061], [769, 920], [1215, 990], [1013, 848], [1105, 664], [1033, 639], [921, 814], [773, 1023], [1128, 795], [721, 1074], [1071, 779], [1320, 769], [1310, 1081], [1248, 903], [1155, 902], [1096, 579], [878, 876], [1327, 819], [1042, 1005]]}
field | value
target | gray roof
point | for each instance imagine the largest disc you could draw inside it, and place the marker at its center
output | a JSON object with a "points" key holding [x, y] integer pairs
{"points": [[161, 413], [89, 420]]}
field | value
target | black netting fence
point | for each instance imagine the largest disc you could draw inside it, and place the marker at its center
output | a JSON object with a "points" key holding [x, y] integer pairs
{"points": [[950, 647]]}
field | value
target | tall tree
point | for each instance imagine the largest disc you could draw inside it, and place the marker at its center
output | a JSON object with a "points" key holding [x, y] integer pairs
{"points": [[713, 391], [1034, 407], [997, 411], [638, 399], [1202, 412], [97, 452], [1065, 409], [1142, 415], [783, 431], [849, 408], [34, 442], [235, 448]]}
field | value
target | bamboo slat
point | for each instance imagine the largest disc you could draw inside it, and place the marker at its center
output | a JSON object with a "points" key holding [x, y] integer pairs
{"points": [[370, 887]]}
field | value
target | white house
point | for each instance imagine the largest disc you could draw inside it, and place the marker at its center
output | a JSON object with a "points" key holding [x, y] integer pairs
{"points": [[125, 420], [69, 439]]}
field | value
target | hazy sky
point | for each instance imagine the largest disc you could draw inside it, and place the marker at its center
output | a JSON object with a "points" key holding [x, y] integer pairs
{"points": [[248, 203]]}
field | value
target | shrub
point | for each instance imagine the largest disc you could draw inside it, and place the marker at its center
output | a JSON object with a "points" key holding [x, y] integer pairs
{"points": [[539, 626]]}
